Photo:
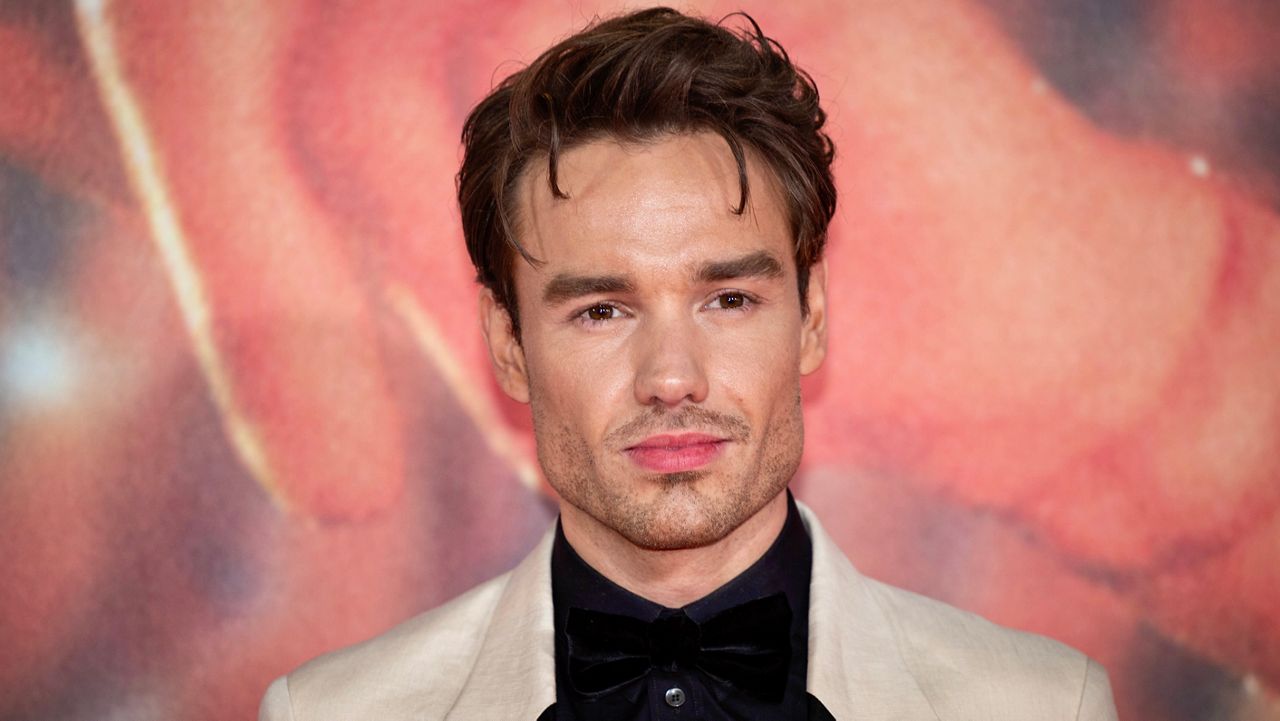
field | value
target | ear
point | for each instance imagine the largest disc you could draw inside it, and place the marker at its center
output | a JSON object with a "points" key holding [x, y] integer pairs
{"points": [[813, 329], [504, 350]]}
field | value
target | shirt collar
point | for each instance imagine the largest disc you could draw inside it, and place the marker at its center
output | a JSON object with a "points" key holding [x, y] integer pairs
{"points": [[784, 567]]}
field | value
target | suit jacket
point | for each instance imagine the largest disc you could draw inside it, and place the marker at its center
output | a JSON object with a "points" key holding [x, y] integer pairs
{"points": [[875, 653]]}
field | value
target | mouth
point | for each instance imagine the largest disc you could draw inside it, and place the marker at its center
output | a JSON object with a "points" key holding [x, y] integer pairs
{"points": [[675, 453]]}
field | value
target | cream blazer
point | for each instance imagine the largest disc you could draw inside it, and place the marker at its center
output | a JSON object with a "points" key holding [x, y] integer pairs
{"points": [[876, 653]]}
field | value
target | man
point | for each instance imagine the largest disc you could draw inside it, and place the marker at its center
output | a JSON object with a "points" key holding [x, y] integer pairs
{"points": [[646, 206]]}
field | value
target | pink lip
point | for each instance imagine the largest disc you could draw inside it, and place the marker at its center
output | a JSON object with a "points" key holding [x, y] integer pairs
{"points": [[673, 453]]}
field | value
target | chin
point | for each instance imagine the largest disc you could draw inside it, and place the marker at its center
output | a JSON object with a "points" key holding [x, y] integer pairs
{"points": [[680, 517], [673, 538]]}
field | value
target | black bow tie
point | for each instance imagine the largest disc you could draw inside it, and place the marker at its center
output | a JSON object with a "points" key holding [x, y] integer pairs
{"points": [[747, 647]]}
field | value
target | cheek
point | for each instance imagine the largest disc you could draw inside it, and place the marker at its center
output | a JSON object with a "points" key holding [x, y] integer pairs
{"points": [[576, 389], [757, 370]]}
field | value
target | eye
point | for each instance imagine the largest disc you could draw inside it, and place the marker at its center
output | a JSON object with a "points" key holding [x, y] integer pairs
{"points": [[600, 312], [732, 300]]}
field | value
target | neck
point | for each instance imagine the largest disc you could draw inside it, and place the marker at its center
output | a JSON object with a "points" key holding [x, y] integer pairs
{"points": [[679, 577]]}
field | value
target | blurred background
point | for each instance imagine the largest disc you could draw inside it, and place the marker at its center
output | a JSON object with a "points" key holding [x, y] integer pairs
{"points": [[245, 414]]}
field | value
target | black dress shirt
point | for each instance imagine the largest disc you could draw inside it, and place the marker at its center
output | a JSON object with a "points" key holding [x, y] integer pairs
{"points": [[687, 693]]}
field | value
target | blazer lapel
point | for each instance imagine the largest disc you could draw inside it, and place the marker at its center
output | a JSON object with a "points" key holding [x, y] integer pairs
{"points": [[855, 666], [514, 673]]}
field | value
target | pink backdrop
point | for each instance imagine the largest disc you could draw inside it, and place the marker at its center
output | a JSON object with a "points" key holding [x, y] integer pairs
{"points": [[245, 415]]}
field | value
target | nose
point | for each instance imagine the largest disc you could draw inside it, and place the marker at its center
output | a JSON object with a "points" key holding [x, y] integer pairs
{"points": [[670, 364]]}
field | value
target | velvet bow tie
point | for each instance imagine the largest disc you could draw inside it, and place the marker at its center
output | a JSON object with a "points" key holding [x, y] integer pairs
{"points": [[747, 647]]}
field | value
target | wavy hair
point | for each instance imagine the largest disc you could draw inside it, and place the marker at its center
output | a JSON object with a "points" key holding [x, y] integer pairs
{"points": [[634, 78]]}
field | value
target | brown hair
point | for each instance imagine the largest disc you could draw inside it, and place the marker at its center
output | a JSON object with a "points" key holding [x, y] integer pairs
{"points": [[633, 78]]}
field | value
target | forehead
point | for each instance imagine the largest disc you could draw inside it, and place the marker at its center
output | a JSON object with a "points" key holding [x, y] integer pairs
{"points": [[654, 204]]}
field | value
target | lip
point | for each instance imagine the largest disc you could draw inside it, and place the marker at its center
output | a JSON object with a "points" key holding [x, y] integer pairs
{"points": [[674, 453]]}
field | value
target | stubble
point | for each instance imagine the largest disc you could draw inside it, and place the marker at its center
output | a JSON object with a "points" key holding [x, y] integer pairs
{"points": [[689, 509]]}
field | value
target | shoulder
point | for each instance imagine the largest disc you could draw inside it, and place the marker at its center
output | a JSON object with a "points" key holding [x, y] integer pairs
{"points": [[418, 665], [967, 666], [921, 658]]}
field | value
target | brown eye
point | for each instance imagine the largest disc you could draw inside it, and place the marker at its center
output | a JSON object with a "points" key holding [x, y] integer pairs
{"points": [[732, 300], [600, 312]]}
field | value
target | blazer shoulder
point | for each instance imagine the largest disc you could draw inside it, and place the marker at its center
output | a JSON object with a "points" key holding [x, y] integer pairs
{"points": [[970, 668], [415, 667]]}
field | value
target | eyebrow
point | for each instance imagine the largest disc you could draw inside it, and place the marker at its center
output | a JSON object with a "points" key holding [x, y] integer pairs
{"points": [[565, 287], [760, 264]]}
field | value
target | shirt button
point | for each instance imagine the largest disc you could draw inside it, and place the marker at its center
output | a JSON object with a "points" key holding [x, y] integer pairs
{"points": [[675, 697]]}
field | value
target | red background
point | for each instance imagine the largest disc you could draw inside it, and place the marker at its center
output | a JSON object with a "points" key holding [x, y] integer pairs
{"points": [[245, 415]]}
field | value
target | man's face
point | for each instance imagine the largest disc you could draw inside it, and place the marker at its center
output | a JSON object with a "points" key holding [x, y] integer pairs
{"points": [[663, 340]]}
